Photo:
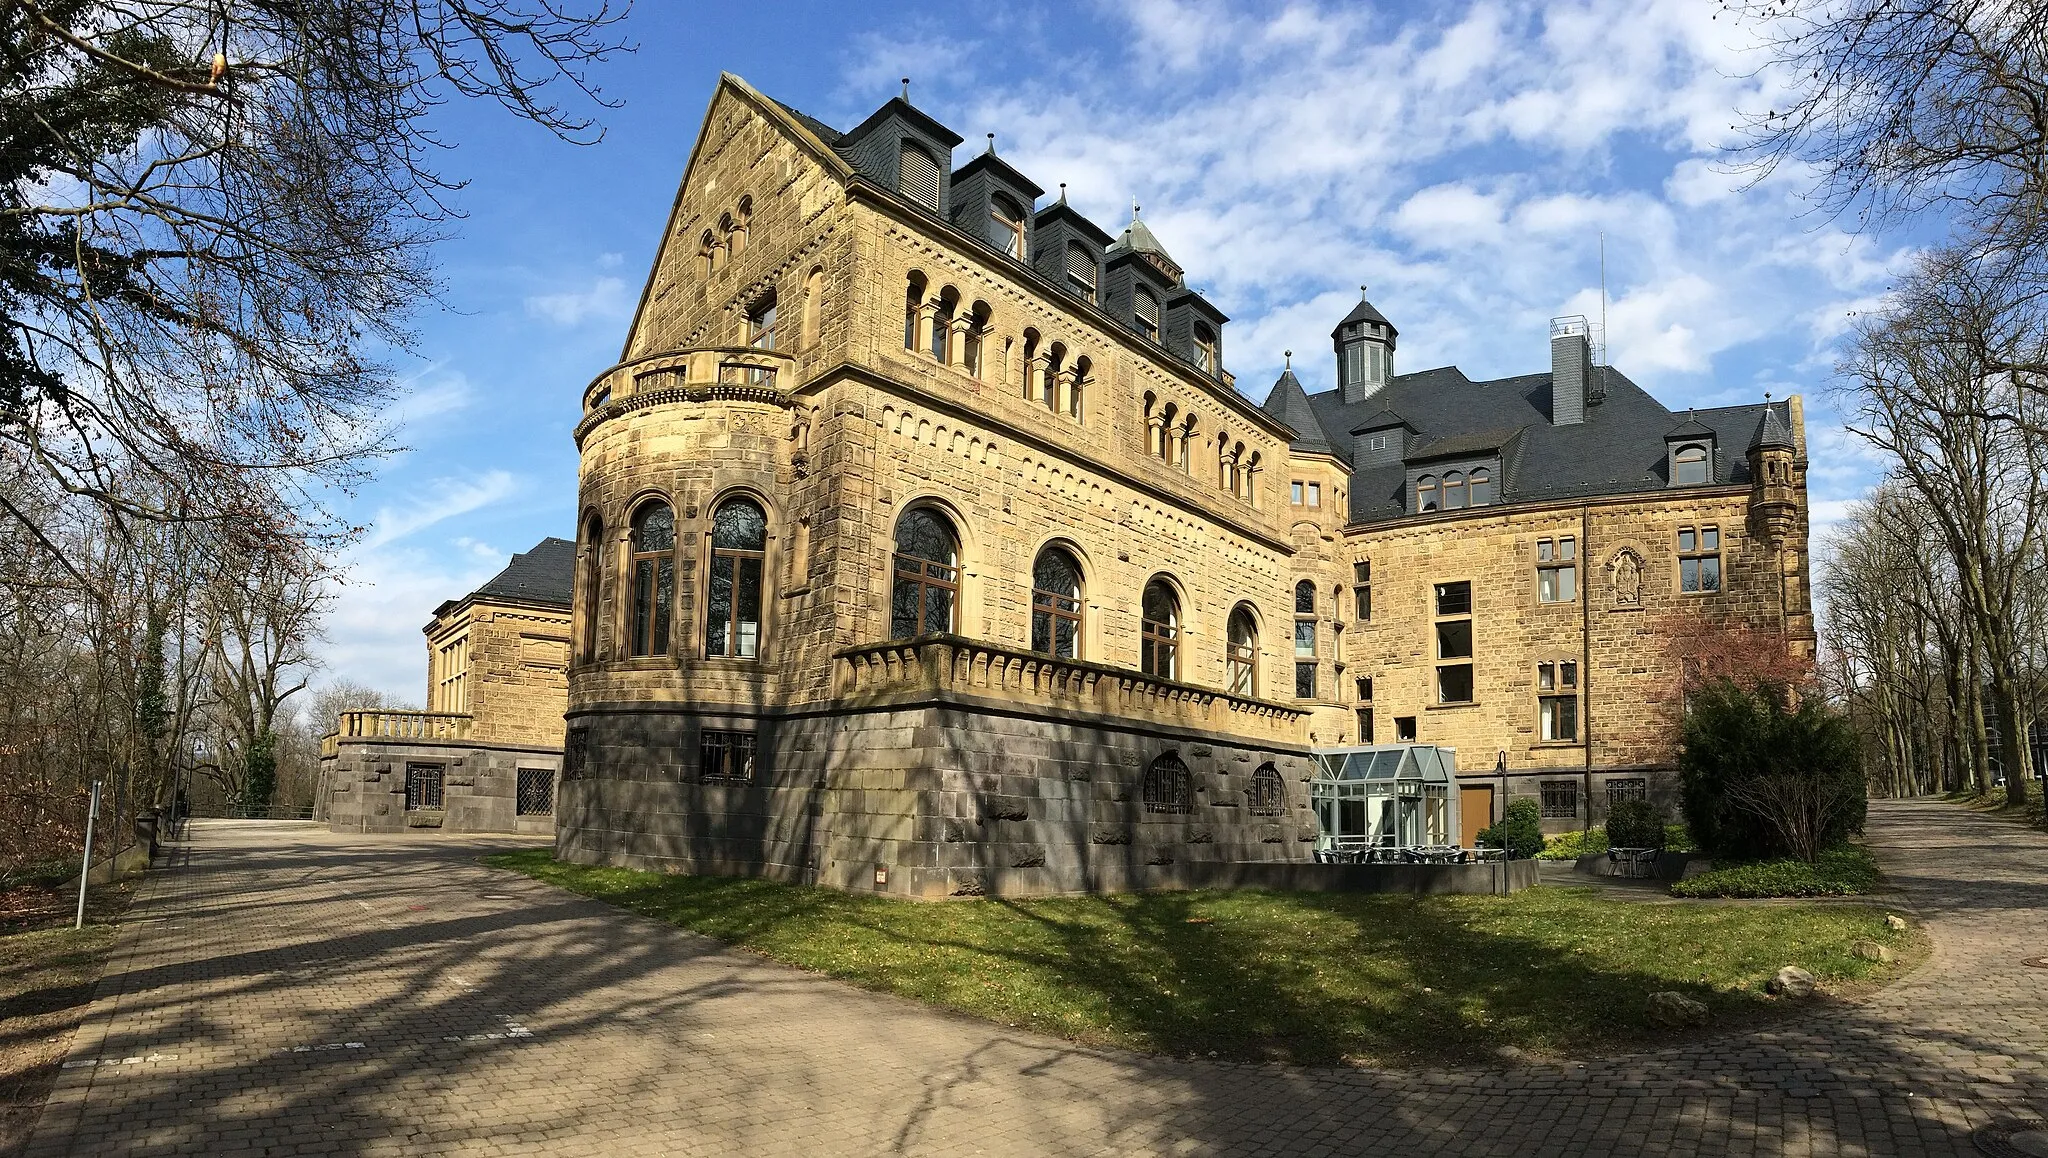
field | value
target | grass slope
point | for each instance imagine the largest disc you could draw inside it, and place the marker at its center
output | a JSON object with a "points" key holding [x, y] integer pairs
{"points": [[1305, 977]]}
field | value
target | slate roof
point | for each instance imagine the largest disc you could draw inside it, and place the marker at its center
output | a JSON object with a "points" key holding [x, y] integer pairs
{"points": [[1289, 403], [1618, 449], [543, 574], [1364, 311], [820, 129], [1770, 432]]}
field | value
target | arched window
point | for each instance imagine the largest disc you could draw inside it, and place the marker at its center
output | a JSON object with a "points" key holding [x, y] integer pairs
{"points": [[1267, 796], [741, 224], [654, 577], [1168, 431], [913, 305], [1079, 387], [1169, 786], [1251, 480], [917, 175], [1454, 490], [977, 335], [593, 580], [1155, 428], [1081, 269], [739, 540], [1186, 461], [1159, 632], [1425, 493], [1692, 465], [1146, 310], [707, 254], [1056, 604], [1031, 366], [942, 323], [1244, 652], [1481, 484], [1006, 226], [1205, 349], [927, 567], [1055, 366]]}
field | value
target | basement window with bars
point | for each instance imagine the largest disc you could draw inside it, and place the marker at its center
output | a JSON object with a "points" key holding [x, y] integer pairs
{"points": [[423, 787], [726, 756], [536, 792], [1560, 799], [1626, 788]]}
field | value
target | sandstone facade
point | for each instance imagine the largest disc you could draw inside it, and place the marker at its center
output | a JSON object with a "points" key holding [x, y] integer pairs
{"points": [[832, 348]]}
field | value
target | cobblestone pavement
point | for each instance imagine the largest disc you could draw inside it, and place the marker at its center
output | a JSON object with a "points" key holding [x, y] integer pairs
{"points": [[288, 991]]}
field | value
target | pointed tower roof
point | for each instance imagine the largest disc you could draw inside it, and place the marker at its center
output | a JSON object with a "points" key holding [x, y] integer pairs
{"points": [[1364, 311], [1289, 403], [1770, 432], [1137, 238]]}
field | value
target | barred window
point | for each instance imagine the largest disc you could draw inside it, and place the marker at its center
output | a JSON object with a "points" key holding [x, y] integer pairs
{"points": [[536, 792], [726, 756], [423, 786], [1560, 799], [1267, 795], [1169, 786], [1627, 788]]}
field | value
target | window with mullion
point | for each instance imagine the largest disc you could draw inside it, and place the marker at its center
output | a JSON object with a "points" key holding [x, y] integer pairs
{"points": [[1699, 560], [1453, 630], [1056, 605], [1159, 632], [654, 578], [1557, 570], [926, 587]]}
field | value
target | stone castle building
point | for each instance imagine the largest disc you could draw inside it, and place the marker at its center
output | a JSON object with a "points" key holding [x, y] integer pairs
{"points": [[486, 754], [926, 545]]}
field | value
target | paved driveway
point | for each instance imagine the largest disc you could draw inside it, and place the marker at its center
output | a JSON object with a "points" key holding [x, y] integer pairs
{"points": [[289, 991]]}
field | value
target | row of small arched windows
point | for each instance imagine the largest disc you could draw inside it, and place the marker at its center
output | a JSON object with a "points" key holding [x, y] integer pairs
{"points": [[1170, 437], [924, 599], [717, 247], [961, 336], [1456, 490]]}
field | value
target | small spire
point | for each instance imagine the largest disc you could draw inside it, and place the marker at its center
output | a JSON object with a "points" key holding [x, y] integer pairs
{"points": [[906, 88], [991, 144], [1361, 289], [1063, 192], [1767, 398], [1134, 209], [1290, 358]]}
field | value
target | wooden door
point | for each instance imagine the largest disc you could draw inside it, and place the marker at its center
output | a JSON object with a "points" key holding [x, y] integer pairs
{"points": [[1475, 811]]}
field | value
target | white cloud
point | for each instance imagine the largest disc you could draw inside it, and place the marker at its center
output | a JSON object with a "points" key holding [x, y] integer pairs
{"points": [[443, 499], [604, 300]]}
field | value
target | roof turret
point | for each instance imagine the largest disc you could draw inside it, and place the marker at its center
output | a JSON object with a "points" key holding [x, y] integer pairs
{"points": [[1288, 402], [1770, 432], [1137, 238]]}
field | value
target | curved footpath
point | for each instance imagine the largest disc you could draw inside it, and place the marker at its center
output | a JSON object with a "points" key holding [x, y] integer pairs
{"points": [[284, 990]]}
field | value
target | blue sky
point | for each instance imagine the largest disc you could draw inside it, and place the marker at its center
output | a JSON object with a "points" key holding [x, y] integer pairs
{"points": [[1462, 159]]}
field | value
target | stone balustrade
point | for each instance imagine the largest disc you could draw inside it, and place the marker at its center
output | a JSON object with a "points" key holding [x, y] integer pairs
{"points": [[698, 373], [383, 724], [906, 668]]}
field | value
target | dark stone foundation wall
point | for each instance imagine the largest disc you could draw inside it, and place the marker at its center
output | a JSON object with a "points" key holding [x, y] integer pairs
{"points": [[362, 787], [925, 801]]}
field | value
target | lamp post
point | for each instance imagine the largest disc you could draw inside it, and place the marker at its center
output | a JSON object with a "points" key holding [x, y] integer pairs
{"points": [[1500, 765]]}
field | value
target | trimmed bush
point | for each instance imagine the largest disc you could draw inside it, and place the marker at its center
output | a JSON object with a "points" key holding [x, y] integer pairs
{"points": [[1634, 824], [1574, 844], [1524, 837], [1763, 782]]}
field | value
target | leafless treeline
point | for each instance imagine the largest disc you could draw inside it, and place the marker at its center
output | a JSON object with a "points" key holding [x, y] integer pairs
{"points": [[1935, 589]]}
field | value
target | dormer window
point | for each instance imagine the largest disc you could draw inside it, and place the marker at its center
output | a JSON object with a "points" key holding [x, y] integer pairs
{"points": [[1147, 313], [1425, 493], [917, 176], [1081, 269], [1689, 465], [1205, 349], [1006, 227]]}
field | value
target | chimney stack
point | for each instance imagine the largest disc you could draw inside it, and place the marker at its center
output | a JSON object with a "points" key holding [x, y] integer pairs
{"points": [[1571, 369]]}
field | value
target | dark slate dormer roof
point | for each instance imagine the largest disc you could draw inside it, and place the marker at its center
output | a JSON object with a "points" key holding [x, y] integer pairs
{"points": [[1005, 175], [1771, 433], [1478, 442], [1137, 238], [1692, 427], [1364, 311], [1061, 211], [898, 107], [1289, 403], [1384, 420], [1619, 448], [543, 574]]}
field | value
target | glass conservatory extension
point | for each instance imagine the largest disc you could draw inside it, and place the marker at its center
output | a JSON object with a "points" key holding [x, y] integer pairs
{"points": [[1385, 801]]}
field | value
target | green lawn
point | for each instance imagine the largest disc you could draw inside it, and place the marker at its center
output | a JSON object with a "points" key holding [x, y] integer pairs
{"points": [[1846, 870], [1306, 977]]}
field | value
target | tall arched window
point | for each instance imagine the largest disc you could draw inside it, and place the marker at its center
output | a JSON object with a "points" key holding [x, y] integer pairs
{"points": [[1168, 431], [1006, 226], [1169, 786], [654, 577], [942, 324], [1056, 604], [977, 336], [1244, 652], [927, 570], [1079, 387], [1159, 631], [1425, 493], [593, 581], [1481, 485], [1205, 349], [1692, 465], [913, 305], [739, 541], [1454, 490], [741, 224], [1268, 795], [707, 254], [1031, 367], [1055, 365], [917, 175]]}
